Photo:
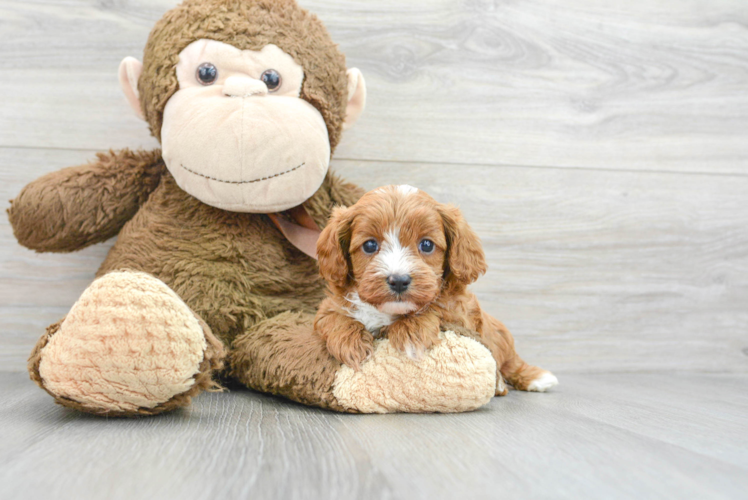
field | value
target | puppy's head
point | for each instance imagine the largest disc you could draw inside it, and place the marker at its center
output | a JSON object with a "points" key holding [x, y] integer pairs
{"points": [[398, 248]]}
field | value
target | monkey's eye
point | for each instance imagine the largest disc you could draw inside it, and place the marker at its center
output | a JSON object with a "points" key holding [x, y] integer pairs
{"points": [[206, 74], [272, 79], [426, 246], [370, 246]]}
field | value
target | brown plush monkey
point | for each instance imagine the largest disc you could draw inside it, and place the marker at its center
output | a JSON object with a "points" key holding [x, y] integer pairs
{"points": [[248, 99]]}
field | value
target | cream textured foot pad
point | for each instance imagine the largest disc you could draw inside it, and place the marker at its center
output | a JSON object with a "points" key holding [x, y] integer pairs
{"points": [[128, 343], [458, 374]]}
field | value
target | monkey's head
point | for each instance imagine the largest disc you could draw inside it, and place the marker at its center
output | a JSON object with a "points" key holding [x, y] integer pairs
{"points": [[248, 99]]}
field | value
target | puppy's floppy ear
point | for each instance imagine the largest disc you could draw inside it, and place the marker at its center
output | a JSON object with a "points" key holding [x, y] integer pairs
{"points": [[465, 258], [332, 248]]}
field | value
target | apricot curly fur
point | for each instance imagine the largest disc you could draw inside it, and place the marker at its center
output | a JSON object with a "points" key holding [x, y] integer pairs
{"points": [[346, 339], [438, 286], [419, 332]]}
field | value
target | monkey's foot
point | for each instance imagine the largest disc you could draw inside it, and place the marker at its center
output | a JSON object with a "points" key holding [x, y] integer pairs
{"points": [[457, 374], [130, 346]]}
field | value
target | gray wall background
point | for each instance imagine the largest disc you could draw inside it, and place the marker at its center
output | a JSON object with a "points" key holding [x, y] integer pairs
{"points": [[600, 149]]}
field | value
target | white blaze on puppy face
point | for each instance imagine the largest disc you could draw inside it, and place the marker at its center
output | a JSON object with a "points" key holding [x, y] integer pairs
{"points": [[394, 258], [398, 219], [236, 144]]}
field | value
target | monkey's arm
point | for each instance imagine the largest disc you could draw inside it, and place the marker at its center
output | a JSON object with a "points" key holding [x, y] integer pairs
{"points": [[72, 208]]}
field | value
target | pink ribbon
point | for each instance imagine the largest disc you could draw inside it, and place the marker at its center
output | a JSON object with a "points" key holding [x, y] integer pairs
{"points": [[303, 234]]}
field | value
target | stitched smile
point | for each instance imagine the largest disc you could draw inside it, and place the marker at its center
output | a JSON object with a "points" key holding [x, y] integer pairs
{"points": [[243, 182]]}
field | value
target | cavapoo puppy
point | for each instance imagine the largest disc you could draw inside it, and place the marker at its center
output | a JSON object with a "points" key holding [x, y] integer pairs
{"points": [[398, 264]]}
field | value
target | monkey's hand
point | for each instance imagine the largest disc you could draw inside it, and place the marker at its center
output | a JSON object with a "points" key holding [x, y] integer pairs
{"points": [[72, 208]]}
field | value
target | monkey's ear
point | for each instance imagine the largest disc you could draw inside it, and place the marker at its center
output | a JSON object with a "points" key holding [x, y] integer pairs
{"points": [[356, 97], [129, 73]]}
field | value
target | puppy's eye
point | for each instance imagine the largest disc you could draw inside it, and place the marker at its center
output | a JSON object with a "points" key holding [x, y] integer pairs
{"points": [[426, 246], [206, 73], [370, 246], [272, 79]]}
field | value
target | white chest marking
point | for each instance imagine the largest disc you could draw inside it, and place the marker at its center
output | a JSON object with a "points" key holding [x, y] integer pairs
{"points": [[368, 315]]}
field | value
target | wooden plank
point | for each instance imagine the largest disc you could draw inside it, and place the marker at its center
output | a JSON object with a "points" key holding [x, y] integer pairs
{"points": [[611, 436], [652, 85], [592, 270]]}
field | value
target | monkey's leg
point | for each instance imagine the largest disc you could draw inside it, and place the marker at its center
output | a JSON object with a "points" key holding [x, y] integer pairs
{"points": [[128, 347], [283, 356]]}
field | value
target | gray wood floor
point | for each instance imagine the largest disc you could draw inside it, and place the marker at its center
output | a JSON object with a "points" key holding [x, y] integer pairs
{"points": [[603, 436], [600, 149]]}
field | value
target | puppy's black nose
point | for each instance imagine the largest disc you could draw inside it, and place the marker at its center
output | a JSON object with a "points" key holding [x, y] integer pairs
{"points": [[398, 283]]}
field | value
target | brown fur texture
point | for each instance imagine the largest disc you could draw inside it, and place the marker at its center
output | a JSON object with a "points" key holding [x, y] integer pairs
{"points": [[255, 293], [438, 289], [233, 269], [421, 331], [247, 25], [346, 339], [75, 207], [236, 271], [295, 363]]}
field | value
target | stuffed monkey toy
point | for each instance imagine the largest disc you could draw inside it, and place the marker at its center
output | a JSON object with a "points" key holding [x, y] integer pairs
{"points": [[213, 271]]}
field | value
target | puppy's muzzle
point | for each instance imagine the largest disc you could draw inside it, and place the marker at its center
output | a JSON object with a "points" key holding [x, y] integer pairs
{"points": [[399, 283]]}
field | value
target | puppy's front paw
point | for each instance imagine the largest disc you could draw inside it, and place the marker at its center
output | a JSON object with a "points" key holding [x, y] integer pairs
{"points": [[413, 336], [351, 348]]}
